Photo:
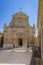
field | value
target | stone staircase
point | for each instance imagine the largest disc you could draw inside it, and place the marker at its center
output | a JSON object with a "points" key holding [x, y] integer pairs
{"points": [[20, 49]]}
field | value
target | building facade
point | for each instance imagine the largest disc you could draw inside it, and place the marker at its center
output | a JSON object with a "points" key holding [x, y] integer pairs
{"points": [[40, 26], [19, 32]]}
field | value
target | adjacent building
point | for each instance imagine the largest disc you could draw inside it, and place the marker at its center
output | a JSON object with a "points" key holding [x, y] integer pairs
{"points": [[40, 27]]}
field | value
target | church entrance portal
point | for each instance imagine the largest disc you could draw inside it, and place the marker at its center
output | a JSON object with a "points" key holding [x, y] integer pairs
{"points": [[20, 41], [1, 41]]}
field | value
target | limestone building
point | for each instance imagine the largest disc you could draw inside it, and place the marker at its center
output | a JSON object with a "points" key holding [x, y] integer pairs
{"points": [[40, 27], [19, 32]]}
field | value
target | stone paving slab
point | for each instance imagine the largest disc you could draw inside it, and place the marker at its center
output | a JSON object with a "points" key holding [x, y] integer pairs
{"points": [[15, 57]]}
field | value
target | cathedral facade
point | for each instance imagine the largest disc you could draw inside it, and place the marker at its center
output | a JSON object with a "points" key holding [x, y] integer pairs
{"points": [[19, 32]]}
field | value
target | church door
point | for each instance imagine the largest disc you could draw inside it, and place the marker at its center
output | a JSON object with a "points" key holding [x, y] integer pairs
{"points": [[1, 41], [20, 41]]}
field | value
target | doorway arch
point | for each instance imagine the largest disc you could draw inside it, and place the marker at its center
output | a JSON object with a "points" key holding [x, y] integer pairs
{"points": [[20, 41], [1, 41]]}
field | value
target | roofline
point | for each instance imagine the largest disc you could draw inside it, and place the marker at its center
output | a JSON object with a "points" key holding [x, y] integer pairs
{"points": [[18, 12]]}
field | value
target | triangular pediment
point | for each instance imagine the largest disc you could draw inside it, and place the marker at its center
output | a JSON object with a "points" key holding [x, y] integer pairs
{"points": [[20, 13], [20, 16]]}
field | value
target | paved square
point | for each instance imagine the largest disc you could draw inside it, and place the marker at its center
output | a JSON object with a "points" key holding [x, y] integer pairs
{"points": [[7, 56]]}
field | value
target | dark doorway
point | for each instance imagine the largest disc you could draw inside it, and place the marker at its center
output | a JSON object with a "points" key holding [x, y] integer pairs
{"points": [[20, 41], [1, 41]]}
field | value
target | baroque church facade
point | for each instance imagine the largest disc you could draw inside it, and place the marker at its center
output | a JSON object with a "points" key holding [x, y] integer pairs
{"points": [[19, 31]]}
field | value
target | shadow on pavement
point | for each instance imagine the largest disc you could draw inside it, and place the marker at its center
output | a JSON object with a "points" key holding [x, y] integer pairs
{"points": [[33, 61]]}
